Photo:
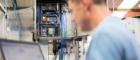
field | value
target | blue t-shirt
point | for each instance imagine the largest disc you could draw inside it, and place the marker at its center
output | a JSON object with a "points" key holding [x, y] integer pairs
{"points": [[111, 40]]}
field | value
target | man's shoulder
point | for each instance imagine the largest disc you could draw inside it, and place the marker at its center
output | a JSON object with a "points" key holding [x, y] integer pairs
{"points": [[113, 31], [112, 27]]}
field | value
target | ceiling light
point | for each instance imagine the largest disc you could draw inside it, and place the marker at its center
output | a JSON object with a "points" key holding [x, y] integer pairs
{"points": [[126, 4]]}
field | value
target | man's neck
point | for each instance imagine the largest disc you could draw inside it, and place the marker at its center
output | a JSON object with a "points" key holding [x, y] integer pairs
{"points": [[101, 14]]}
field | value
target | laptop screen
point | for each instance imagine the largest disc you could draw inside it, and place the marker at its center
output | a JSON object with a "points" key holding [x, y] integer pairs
{"points": [[21, 51]]}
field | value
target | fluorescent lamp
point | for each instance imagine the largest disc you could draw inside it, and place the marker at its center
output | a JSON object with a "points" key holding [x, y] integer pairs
{"points": [[126, 4], [119, 14]]}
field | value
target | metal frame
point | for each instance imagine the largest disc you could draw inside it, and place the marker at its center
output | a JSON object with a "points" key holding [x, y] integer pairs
{"points": [[18, 42], [2, 8]]}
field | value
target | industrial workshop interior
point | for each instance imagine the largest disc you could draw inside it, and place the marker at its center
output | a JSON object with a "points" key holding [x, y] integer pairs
{"points": [[46, 30]]}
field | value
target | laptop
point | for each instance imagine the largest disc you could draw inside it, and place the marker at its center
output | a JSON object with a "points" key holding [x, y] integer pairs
{"points": [[15, 50]]}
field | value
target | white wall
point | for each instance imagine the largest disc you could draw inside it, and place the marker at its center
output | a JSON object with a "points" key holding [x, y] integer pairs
{"points": [[2, 26]]}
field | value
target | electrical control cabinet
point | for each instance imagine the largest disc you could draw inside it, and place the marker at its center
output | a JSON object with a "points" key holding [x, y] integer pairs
{"points": [[48, 20]]}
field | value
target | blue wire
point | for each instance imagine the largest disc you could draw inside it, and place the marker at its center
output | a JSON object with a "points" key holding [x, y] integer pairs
{"points": [[63, 36]]}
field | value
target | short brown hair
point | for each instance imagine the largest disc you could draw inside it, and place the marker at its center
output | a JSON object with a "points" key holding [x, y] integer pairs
{"points": [[94, 1]]}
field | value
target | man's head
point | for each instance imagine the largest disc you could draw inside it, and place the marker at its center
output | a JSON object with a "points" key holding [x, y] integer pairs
{"points": [[85, 12]]}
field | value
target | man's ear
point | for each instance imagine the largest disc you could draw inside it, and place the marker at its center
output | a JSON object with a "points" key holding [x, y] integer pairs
{"points": [[87, 3]]}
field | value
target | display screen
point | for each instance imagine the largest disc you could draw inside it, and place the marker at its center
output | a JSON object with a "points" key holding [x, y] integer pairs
{"points": [[52, 20], [21, 51]]}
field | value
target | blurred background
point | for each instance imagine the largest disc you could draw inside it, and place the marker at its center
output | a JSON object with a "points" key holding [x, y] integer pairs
{"points": [[49, 23]]}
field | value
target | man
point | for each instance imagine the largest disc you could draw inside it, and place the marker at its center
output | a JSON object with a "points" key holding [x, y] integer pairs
{"points": [[110, 38]]}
